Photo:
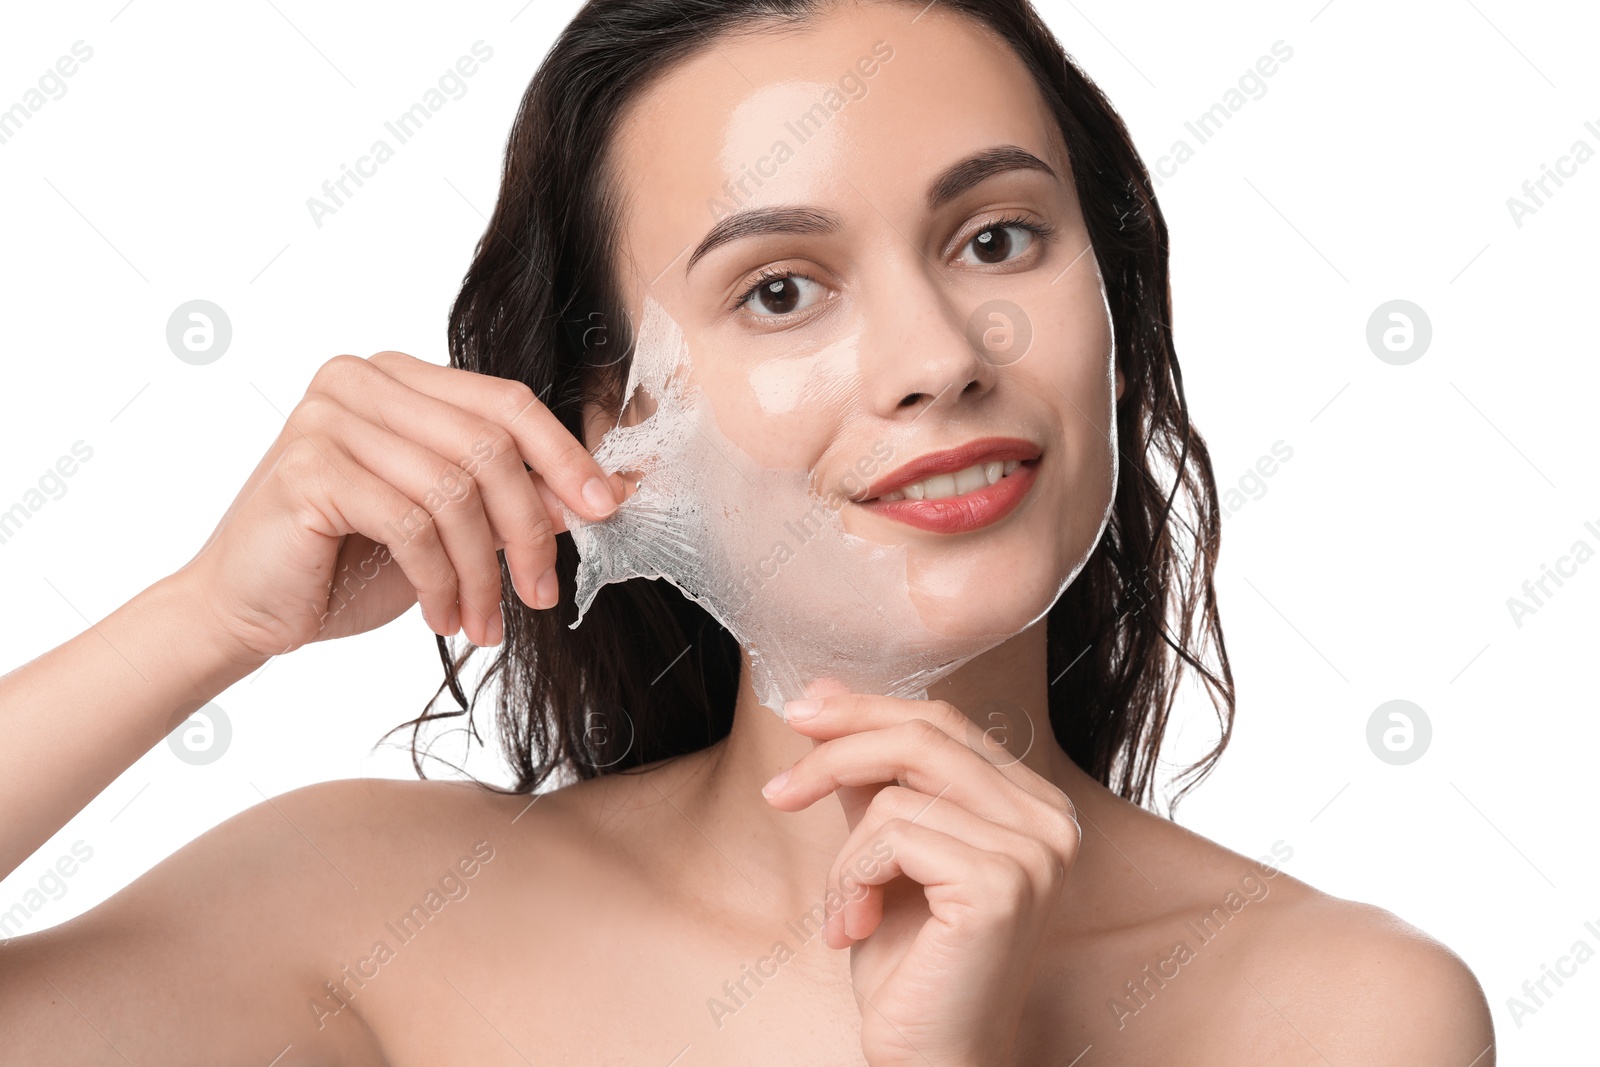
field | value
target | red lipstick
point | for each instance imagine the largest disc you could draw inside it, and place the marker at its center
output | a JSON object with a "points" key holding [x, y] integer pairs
{"points": [[971, 510]]}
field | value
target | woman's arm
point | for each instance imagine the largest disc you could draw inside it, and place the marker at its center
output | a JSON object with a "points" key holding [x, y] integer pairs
{"points": [[79, 715], [220, 953], [417, 473], [416, 476]]}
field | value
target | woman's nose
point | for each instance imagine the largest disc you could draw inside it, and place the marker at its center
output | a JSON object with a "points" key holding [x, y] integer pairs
{"points": [[917, 353]]}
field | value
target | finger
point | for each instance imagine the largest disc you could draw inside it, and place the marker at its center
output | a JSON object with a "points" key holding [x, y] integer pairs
{"points": [[346, 498], [520, 515], [938, 813], [951, 871], [546, 446], [838, 715], [914, 752], [445, 500], [832, 715], [858, 919], [621, 486], [853, 799]]}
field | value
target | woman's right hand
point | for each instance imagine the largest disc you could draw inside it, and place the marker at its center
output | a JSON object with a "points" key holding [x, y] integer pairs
{"points": [[395, 480]]}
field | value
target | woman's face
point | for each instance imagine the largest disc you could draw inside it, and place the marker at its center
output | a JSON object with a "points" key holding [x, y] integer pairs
{"points": [[868, 231]]}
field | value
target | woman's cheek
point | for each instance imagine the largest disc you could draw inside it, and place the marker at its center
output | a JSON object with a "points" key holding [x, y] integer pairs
{"points": [[782, 407]]}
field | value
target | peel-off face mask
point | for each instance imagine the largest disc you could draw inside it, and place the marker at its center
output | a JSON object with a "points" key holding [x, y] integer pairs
{"points": [[769, 556]]}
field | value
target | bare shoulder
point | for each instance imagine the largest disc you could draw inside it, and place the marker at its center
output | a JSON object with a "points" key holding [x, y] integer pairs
{"points": [[382, 824], [1358, 982], [247, 917], [1321, 978], [1283, 971]]}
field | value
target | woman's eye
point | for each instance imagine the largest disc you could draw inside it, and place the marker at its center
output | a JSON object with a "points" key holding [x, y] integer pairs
{"points": [[781, 295], [996, 244]]}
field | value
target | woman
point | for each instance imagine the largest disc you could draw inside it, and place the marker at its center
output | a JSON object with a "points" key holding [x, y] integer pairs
{"points": [[685, 897]]}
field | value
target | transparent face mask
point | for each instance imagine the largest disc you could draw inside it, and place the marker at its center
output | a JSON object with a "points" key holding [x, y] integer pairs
{"points": [[766, 550]]}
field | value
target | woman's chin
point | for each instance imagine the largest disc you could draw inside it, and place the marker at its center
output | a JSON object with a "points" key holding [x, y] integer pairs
{"points": [[986, 603]]}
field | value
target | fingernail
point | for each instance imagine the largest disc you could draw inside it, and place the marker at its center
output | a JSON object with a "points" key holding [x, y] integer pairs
{"points": [[801, 710], [548, 591], [453, 625], [777, 783], [599, 496], [496, 629]]}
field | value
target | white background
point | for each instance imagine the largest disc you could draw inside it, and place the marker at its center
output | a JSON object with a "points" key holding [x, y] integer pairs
{"points": [[1376, 564]]}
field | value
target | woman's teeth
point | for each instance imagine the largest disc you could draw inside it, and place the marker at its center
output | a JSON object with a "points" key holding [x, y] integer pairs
{"points": [[963, 481]]}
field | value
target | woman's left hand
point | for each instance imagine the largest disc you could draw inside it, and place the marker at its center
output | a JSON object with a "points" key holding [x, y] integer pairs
{"points": [[942, 969]]}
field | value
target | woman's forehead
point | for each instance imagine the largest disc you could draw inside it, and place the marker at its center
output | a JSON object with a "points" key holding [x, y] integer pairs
{"points": [[861, 98]]}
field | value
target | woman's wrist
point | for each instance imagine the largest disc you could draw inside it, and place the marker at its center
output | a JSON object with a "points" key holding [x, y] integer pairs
{"points": [[206, 658]]}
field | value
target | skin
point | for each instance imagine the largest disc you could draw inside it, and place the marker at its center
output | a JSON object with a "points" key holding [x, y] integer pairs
{"points": [[1000, 899]]}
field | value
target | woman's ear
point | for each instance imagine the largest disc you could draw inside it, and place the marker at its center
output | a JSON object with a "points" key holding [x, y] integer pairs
{"points": [[1122, 384]]}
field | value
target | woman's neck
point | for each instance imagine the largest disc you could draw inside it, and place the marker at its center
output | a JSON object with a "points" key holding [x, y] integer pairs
{"points": [[1006, 693]]}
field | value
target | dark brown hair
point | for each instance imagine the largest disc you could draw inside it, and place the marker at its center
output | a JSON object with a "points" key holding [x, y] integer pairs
{"points": [[650, 674]]}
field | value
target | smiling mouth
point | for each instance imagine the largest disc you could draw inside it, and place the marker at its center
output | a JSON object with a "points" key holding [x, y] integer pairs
{"points": [[958, 483], [959, 501]]}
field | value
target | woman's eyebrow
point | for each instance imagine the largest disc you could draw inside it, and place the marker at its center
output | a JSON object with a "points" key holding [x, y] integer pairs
{"points": [[951, 183], [960, 177], [766, 220]]}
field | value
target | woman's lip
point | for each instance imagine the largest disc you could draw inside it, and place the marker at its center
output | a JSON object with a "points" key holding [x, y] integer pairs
{"points": [[950, 460], [969, 511]]}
